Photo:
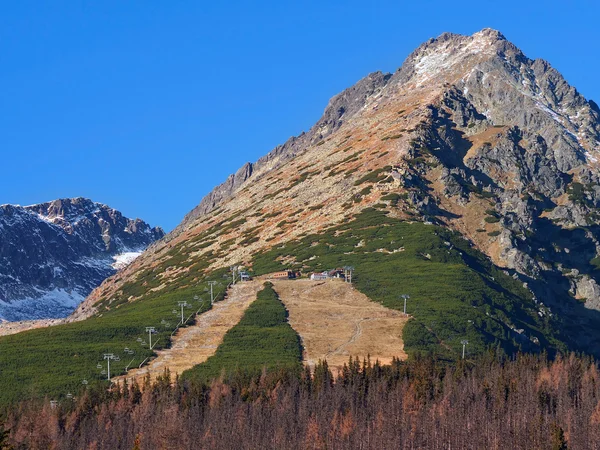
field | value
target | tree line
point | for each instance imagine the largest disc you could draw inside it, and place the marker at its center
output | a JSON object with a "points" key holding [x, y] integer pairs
{"points": [[528, 402]]}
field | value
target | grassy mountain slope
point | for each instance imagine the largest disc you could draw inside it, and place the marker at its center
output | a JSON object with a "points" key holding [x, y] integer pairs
{"points": [[455, 292], [262, 338], [54, 361]]}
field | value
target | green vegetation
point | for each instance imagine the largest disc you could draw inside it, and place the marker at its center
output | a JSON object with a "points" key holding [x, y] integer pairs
{"points": [[349, 172], [395, 136], [366, 191], [302, 178], [484, 194], [275, 194], [374, 176], [272, 214], [262, 339], [249, 240], [578, 192], [54, 361], [491, 219], [394, 198], [456, 293]]}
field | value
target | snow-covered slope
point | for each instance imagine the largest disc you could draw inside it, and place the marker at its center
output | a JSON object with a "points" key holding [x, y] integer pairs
{"points": [[53, 254]]}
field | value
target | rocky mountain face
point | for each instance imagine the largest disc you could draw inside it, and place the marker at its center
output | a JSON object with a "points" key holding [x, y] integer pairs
{"points": [[53, 254], [469, 134]]}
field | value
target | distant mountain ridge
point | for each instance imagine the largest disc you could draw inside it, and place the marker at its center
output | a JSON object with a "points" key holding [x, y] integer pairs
{"points": [[53, 254]]}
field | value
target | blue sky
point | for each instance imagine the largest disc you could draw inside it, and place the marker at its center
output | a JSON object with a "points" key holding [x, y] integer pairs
{"points": [[146, 105]]}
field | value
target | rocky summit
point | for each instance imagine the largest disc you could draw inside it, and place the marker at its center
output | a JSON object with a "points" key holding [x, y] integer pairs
{"points": [[53, 254], [469, 134]]}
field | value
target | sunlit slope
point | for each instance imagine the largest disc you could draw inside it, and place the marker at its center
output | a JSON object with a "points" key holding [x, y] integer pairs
{"points": [[54, 361], [336, 321], [455, 292], [262, 340]]}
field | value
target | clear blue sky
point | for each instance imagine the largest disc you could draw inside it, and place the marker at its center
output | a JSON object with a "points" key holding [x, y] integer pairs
{"points": [[146, 105]]}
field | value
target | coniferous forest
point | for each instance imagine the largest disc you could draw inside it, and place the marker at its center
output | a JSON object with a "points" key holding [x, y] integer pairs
{"points": [[528, 402]]}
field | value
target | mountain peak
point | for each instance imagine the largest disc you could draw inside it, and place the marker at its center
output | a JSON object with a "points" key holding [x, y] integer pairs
{"points": [[450, 57], [55, 253], [67, 208], [490, 33]]}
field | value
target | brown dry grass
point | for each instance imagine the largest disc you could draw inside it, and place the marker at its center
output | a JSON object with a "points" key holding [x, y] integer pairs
{"points": [[7, 328], [335, 321], [195, 344], [491, 135]]}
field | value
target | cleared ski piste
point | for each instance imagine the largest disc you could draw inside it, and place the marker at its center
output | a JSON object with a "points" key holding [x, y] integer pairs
{"points": [[195, 344], [335, 321]]}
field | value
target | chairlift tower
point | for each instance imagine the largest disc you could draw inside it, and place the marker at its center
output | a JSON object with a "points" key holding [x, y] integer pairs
{"points": [[183, 305], [464, 344], [108, 357], [348, 274], [150, 330], [234, 270], [405, 297], [212, 298]]}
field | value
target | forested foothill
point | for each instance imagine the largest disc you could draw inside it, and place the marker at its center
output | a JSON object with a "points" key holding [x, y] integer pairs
{"points": [[528, 402]]}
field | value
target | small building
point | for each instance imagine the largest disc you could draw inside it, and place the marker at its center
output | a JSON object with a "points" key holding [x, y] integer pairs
{"points": [[319, 276], [245, 276], [285, 274], [337, 273]]}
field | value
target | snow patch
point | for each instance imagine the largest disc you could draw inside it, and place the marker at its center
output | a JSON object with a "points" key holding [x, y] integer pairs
{"points": [[124, 259], [52, 304]]}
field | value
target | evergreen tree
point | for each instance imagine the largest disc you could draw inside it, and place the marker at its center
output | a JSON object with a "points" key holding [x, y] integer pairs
{"points": [[558, 438]]}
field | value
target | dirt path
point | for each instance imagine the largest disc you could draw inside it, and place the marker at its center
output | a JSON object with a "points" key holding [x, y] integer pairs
{"points": [[335, 321], [193, 345]]}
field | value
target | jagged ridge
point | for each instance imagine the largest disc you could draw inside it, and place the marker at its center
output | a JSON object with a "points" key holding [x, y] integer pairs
{"points": [[53, 254]]}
